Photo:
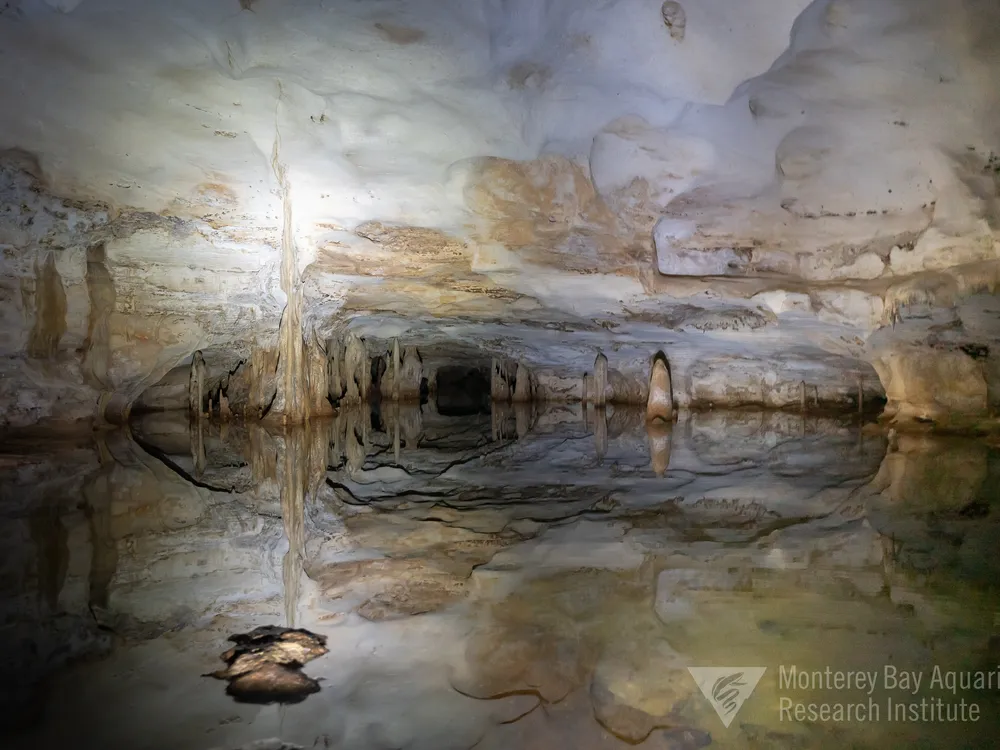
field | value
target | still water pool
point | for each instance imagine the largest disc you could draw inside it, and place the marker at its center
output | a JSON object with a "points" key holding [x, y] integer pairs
{"points": [[522, 579]]}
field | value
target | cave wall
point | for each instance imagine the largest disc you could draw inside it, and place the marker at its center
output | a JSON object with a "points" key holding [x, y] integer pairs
{"points": [[764, 206]]}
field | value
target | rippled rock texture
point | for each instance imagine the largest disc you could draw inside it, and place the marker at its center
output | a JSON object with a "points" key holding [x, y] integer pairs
{"points": [[794, 202], [525, 578]]}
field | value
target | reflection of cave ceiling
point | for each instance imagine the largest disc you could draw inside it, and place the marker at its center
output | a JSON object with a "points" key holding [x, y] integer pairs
{"points": [[766, 182], [479, 563]]}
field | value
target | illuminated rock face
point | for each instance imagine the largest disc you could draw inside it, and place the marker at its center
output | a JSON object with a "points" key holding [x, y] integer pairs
{"points": [[538, 184]]}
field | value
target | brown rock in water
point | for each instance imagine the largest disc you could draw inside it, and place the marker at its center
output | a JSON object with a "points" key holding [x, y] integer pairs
{"points": [[272, 683], [270, 645], [264, 665]]}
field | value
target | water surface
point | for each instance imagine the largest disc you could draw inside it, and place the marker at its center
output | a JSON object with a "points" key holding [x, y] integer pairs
{"points": [[523, 579]]}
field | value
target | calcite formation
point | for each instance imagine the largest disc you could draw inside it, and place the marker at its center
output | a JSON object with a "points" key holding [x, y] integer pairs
{"points": [[796, 203]]}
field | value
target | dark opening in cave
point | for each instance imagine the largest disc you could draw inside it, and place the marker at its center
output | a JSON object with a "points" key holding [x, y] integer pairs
{"points": [[378, 369], [462, 391]]}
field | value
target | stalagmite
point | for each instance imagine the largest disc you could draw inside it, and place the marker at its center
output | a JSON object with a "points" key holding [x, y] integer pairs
{"points": [[802, 395], [196, 385], [660, 400], [600, 380], [861, 395], [224, 411]]}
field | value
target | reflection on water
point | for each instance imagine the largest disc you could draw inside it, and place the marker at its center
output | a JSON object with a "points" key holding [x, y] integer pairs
{"points": [[526, 578]]}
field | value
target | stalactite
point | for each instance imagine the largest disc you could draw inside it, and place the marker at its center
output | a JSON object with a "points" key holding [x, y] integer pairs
{"points": [[411, 373], [588, 389], [263, 381], [660, 400], [500, 390], [356, 372], [334, 376], [317, 374], [524, 385], [291, 403], [600, 380]]}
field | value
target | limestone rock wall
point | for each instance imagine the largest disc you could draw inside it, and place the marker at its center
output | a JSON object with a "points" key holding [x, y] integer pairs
{"points": [[760, 205]]}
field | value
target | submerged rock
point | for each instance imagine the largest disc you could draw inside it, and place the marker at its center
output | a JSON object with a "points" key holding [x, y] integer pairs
{"points": [[272, 683]]}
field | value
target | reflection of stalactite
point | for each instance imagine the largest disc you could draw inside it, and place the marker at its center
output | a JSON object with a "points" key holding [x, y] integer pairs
{"points": [[396, 367], [303, 461], [293, 518], [523, 418], [600, 433], [198, 455], [97, 494], [411, 426], [355, 439], [659, 434], [196, 385]]}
